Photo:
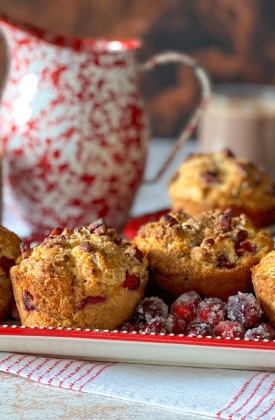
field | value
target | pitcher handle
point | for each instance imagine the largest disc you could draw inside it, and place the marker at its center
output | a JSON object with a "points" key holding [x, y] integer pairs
{"points": [[205, 86]]}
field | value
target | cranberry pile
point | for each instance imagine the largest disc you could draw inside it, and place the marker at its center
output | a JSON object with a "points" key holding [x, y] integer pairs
{"points": [[240, 317]]}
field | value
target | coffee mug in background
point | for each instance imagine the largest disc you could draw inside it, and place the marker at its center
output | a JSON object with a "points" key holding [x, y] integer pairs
{"points": [[241, 117]]}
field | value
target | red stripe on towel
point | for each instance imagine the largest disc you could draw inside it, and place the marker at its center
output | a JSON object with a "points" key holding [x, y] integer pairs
{"points": [[239, 393], [60, 371], [270, 388], [37, 368], [18, 360], [250, 396], [25, 365], [40, 377], [95, 375], [72, 384], [71, 374]]}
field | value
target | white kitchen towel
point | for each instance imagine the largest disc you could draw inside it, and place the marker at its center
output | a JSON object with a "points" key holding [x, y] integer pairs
{"points": [[220, 393]]}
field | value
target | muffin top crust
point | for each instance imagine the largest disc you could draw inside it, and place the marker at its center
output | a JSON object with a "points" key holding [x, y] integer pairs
{"points": [[95, 256], [221, 177], [214, 240]]}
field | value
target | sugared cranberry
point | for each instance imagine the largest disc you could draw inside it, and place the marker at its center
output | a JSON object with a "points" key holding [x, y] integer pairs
{"points": [[155, 325], [150, 308], [131, 326], [231, 329], [244, 308], [211, 311], [262, 331], [132, 281], [27, 299], [185, 306], [198, 328], [175, 324], [91, 300]]}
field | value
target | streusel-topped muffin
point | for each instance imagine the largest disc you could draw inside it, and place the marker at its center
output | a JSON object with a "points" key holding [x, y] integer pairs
{"points": [[9, 251], [263, 279], [86, 278], [211, 254], [206, 181]]}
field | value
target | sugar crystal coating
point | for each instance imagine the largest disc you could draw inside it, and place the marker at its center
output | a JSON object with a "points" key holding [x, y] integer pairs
{"points": [[244, 308]]}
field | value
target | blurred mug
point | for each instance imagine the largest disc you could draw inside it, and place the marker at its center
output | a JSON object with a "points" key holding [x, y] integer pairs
{"points": [[241, 117]]}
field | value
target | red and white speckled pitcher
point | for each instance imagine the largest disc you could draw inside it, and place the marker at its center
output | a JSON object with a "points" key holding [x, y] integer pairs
{"points": [[73, 126]]}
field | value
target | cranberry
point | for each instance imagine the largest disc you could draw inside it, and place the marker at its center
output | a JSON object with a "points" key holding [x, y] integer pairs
{"points": [[155, 325], [231, 329], [243, 247], [175, 324], [27, 299], [208, 242], [131, 326], [91, 300], [244, 308], [262, 331], [211, 311], [199, 328], [240, 236], [185, 306], [132, 281], [211, 177], [223, 262], [151, 308]]}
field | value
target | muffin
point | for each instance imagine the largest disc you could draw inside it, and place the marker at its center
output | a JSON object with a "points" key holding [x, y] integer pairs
{"points": [[9, 251], [211, 254], [219, 180], [86, 278], [263, 279]]}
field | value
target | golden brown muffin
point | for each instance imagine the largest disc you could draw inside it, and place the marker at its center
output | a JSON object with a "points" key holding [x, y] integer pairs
{"points": [[9, 251], [86, 278], [263, 279], [211, 254], [207, 181]]}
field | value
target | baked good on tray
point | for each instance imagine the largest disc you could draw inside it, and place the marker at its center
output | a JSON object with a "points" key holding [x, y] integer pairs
{"points": [[9, 251], [88, 277], [206, 181], [211, 254], [263, 279]]}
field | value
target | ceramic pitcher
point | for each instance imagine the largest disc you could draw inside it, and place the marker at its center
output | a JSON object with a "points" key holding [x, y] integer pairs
{"points": [[73, 127]]}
